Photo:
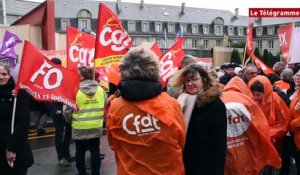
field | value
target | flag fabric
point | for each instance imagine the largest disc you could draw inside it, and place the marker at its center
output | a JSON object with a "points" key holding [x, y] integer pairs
{"points": [[112, 41], [249, 40], [156, 50], [7, 51], [180, 33], [267, 70], [285, 40], [46, 81], [80, 49], [60, 54], [294, 48], [170, 61]]}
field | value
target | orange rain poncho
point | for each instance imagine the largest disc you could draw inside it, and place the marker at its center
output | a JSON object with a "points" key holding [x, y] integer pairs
{"points": [[295, 115], [249, 148], [274, 108], [147, 136]]}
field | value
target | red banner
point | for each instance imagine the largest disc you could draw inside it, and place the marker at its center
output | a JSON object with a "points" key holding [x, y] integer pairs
{"points": [[285, 35], [250, 44], [112, 41], [262, 65], [171, 61], [80, 48], [156, 50], [46, 81], [60, 54]]}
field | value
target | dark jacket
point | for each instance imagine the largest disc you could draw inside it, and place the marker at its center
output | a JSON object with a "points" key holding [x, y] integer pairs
{"points": [[225, 78], [205, 147], [17, 142]]}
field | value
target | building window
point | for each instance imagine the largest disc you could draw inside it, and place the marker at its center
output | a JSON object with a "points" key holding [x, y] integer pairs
{"points": [[218, 30], [240, 31], [145, 27], [131, 26], [271, 44], [194, 44], [194, 29], [229, 43], [230, 31], [64, 23], [170, 42], [184, 44], [84, 20], [183, 27], [259, 44], [171, 28], [158, 27], [270, 30], [218, 43], [259, 31], [205, 44], [205, 30]]}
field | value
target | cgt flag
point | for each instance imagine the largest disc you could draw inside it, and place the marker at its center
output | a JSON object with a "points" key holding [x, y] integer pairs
{"points": [[46, 81], [112, 41], [170, 61], [80, 49]]}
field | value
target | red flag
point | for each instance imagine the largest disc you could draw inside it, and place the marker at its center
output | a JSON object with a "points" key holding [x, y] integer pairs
{"points": [[112, 41], [262, 65], [46, 81], [156, 50], [60, 54], [171, 61], [249, 42], [285, 35], [80, 49]]}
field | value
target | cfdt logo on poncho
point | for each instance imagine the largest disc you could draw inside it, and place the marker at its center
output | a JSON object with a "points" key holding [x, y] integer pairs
{"points": [[238, 119], [142, 125]]}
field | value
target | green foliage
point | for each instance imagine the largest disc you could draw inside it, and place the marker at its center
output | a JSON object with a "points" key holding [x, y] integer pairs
{"points": [[235, 57], [256, 52], [239, 44]]}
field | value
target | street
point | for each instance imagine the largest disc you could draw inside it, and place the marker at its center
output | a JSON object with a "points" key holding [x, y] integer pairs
{"points": [[46, 162]]}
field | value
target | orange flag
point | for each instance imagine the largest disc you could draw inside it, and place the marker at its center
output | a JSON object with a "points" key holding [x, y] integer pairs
{"points": [[249, 42], [262, 65], [170, 61], [285, 39]]}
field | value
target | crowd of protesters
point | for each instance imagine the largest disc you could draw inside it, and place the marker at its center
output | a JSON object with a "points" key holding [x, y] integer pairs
{"points": [[234, 121]]}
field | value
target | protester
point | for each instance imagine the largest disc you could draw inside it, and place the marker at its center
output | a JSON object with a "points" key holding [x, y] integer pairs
{"points": [[205, 115], [62, 129], [294, 140], [15, 152], [278, 67], [145, 125], [249, 148], [229, 73], [186, 60], [87, 122], [238, 71], [250, 72]]}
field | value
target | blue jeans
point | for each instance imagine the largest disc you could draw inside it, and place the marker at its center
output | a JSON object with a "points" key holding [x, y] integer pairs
{"points": [[81, 147]]}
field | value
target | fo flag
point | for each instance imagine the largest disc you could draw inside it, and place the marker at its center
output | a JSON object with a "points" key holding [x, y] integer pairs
{"points": [[112, 41], [249, 42], [80, 49], [170, 61], [285, 35], [267, 70], [46, 81]]}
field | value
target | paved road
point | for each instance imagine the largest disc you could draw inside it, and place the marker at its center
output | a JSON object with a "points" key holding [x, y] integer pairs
{"points": [[46, 161]]}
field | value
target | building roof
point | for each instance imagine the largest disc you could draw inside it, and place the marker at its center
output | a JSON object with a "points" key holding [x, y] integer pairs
{"points": [[150, 12], [19, 8]]}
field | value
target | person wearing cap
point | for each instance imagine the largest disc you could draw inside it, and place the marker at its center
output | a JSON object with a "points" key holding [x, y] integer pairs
{"points": [[238, 71], [145, 126], [229, 73]]}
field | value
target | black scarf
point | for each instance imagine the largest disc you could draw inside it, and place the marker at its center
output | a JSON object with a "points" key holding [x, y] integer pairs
{"points": [[6, 90]]}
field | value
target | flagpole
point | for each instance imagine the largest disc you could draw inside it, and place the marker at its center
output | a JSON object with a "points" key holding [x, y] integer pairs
{"points": [[13, 116]]}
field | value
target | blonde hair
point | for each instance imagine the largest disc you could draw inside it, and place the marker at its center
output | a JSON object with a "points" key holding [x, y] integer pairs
{"points": [[140, 63], [5, 66]]}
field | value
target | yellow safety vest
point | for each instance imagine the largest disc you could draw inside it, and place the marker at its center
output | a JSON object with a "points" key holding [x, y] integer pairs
{"points": [[91, 110]]}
